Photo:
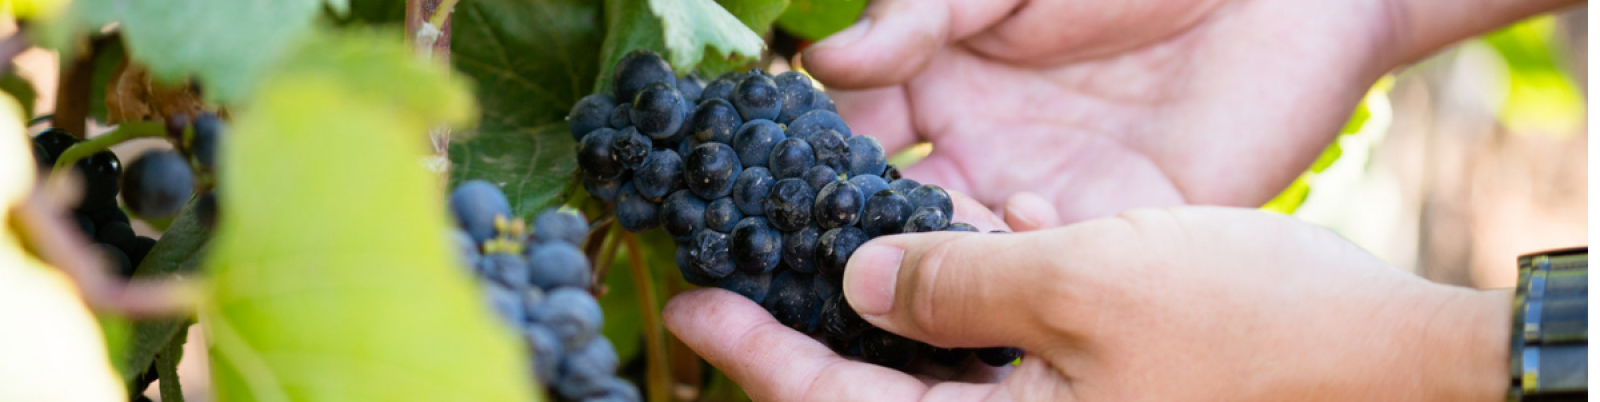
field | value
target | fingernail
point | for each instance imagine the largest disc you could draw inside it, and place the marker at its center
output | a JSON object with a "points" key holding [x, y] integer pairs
{"points": [[870, 277], [847, 36]]}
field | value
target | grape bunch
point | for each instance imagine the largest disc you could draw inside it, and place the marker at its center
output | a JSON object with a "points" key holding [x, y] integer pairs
{"points": [[764, 189], [538, 283], [155, 186]]}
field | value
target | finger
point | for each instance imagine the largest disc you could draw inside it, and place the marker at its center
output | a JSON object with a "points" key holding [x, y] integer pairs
{"points": [[972, 212], [954, 289], [1026, 212], [1035, 33], [773, 362], [883, 113], [895, 39]]}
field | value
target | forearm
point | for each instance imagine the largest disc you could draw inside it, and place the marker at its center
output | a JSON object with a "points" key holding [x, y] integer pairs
{"points": [[1420, 27]]}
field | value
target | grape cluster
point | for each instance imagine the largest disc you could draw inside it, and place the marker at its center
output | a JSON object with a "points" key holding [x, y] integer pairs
{"points": [[539, 284], [765, 190]]}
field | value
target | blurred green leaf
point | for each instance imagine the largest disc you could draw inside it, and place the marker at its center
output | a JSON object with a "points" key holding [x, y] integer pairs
{"points": [[20, 89], [1291, 198], [816, 19], [531, 60], [621, 302], [1542, 96], [332, 277], [376, 12], [177, 253], [228, 45], [691, 26]]}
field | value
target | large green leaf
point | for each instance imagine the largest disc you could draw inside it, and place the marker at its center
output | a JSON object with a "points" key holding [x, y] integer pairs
{"points": [[227, 44], [531, 60], [691, 26], [178, 253], [167, 367], [332, 276], [754, 14], [816, 19]]}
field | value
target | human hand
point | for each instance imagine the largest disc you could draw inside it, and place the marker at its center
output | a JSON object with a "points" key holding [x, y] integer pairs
{"points": [[1103, 106], [1193, 303]]}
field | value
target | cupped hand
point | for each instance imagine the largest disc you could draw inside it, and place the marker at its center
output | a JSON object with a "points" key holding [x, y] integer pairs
{"points": [[1102, 106], [1189, 303]]}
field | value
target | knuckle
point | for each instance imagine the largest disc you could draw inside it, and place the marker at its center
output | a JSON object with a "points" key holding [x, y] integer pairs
{"points": [[937, 282]]}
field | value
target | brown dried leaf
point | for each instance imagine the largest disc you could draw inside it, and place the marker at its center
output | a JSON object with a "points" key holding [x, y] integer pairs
{"points": [[133, 95]]}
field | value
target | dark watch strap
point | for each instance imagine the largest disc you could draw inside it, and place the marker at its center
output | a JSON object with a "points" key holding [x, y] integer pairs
{"points": [[1550, 338]]}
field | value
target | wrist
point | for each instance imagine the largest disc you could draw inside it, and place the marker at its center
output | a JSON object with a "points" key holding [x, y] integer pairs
{"points": [[1417, 28], [1466, 348]]}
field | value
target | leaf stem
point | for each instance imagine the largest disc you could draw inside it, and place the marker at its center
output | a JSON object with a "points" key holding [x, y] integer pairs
{"points": [[444, 10], [125, 131], [657, 377], [602, 261]]}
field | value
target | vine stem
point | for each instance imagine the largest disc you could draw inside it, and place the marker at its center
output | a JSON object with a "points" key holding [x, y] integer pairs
{"points": [[656, 374], [445, 8], [125, 131]]}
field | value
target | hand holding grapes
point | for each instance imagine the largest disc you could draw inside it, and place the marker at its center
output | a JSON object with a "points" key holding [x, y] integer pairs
{"points": [[1191, 303], [1102, 106]]}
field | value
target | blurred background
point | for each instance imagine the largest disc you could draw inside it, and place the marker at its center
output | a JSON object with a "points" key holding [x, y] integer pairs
{"points": [[1449, 169]]}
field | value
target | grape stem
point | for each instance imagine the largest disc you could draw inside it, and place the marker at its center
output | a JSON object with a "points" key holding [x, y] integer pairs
{"points": [[125, 131], [439, 14], [657, 377]]}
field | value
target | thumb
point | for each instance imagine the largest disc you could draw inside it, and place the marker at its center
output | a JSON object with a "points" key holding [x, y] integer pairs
{"points": [[958, 289], [895, 40]]}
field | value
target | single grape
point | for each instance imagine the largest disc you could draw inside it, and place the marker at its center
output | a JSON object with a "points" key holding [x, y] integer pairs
{"points": [[658, 111], [962, 227], [85, 224], [831, 150], [885, 213], [157, 184], [55, 141], [904, 186], [115, 233], [466, 249], [682, 214], [819, 176], [926, 219], [638, 69], [572, 314], [754, 141], [815, 121], [800, 249], [659, 175], [634, 212], [793, 302], [207, 136], [790, 204], [931, 196], [796, 94], [709, 251], [101, 172], [751, 189], [595, 159], [755, 287], [475, 204], [547, 351], [791, 157], [821, 101], [722, 87], [711, 169], [755, 246], [115, 260], [840, 320], [506, 269], [629, 148], [556, 265], [869, 184], [838, 205], [605, 190], [723, 214], [621, 116], [691, 272], [757, 97], [506, 303], [887, 349], [587, 370], [866, 156], [591, 113], [616, 390], [715, 120], [691, 86], [834, 249], [561, 225]]}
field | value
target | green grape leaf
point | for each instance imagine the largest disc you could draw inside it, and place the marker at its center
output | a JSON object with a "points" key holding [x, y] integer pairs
{"points": [[816, 19], [20, 89], [227, 45], [332, 279], [106, 62], [754, 14], [167, 367], [531, 60], [375, 12], [691, 26], [179, 252], [629, 26]]}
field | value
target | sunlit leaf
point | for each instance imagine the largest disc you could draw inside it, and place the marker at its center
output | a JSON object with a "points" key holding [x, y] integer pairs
{"points": [[816, 19]]}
